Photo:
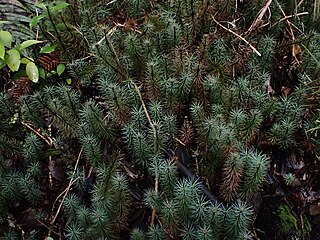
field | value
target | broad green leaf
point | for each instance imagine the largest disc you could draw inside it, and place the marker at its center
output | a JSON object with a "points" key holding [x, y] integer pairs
{"points": [[59, 6], [6, 38], [62, 26], [3, 63], [48, 48], [69, 81], [42, 73], [28, 43], [52, 152], [13, 60], [34, 21], [2, 50], [25, 60], [41, 5], [4, 22], [60, 68], [32, 72]]}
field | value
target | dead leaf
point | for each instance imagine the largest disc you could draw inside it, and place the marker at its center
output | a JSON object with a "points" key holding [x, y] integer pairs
{"points": [[314, 210], [296, 50]]}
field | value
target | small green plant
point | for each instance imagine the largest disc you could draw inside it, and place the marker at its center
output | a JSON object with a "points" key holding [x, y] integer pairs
{"points": [[289, 226], [289, 179], [167, 104], [13, 57], [288, 223]]}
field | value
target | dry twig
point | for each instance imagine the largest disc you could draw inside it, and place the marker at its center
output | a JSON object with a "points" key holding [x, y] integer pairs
{"points": [[37, 133], [237, 35], [258, 19], [66, 191], [155, 138]]}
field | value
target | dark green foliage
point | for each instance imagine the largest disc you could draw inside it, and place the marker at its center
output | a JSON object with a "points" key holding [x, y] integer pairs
{"points": [[136, 8], [61, 104], [32, 110], [82, 71], [251, 124], [6, 106], [16, 187], [105, 173], [237, 219], [101, 224], [94, 121], [282, 133], [117, 98], [34, 170], [83, 217], [9, 145], [120, 198], [141, 148], [32, 148], [214, 88], [9, 190], [153, 199], [162, 105], [204, 233], [168, 176], [137, 234], [91, 148], [185, 192], [71, 204], [74, 232], [216, 217], [168, 216], [189, 232], [29, 189], [11, 235], [219, 53], [255, 171], [155, 233]]}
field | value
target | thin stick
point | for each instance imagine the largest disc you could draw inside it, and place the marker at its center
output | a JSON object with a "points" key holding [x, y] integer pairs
{"points": [[294, 15], [111, 2], [300, 3], [72, 181], [153, 214], [179, 141], [36, 132], [46, 227], [145, 109], [237, 35], [287, 21], [290, 16], [262, 12], [155, 138]]}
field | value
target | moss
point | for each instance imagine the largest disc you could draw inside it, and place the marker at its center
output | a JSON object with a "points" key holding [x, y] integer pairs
{"points": [[289, 225]]}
